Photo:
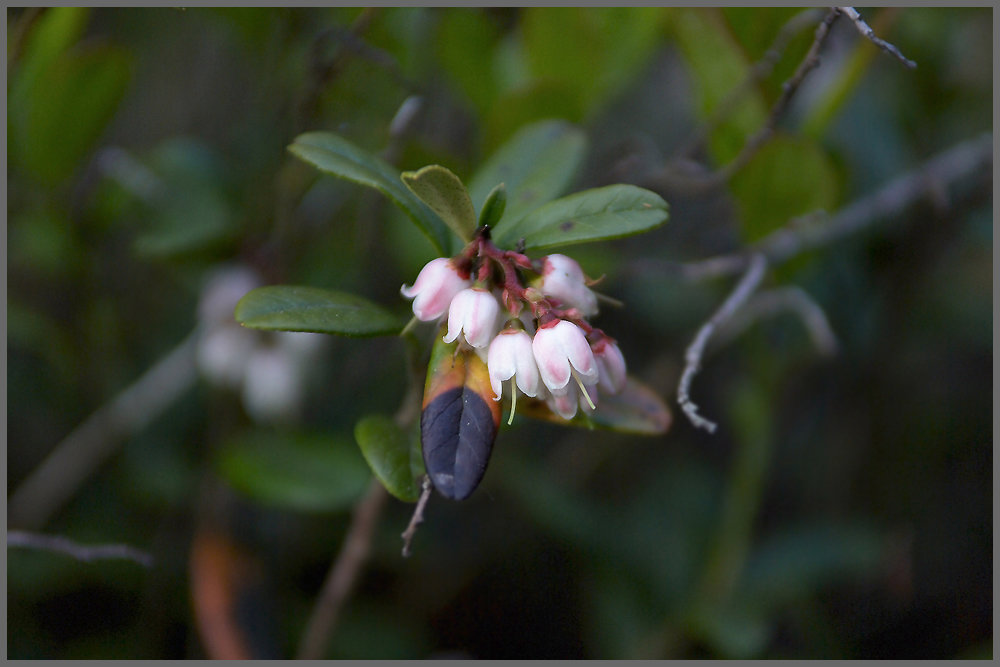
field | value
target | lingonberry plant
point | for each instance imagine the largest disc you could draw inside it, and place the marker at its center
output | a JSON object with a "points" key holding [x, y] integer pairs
{"points": [[508, 321]]}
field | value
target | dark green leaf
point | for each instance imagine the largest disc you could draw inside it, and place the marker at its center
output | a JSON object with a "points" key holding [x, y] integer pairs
{"points": [[311, 473], [536, 165], [496, 203], [532, 101], [788, 177], [718, 66], [391, 455], [592, 215], [198, 219], [464, 46], [293, 308], [445, 194], [594, 51], [67, 107], [337, 156]]}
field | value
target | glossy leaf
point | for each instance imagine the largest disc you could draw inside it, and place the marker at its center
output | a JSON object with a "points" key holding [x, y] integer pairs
{"points": [[536, 165], [294, 308], [496, 204], [459, 420], [592, 215], [445, 194], [305, 472], [390, 455], [335, 155], [635, 409]]}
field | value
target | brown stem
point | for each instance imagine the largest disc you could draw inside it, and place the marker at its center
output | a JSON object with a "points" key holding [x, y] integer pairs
{"points": [[758, 72], [341, 577], [788, 89], [418, 515]]}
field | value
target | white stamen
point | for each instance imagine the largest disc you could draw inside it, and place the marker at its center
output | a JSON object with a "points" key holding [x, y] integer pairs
{"points": [[513, 401], [584, 390]]}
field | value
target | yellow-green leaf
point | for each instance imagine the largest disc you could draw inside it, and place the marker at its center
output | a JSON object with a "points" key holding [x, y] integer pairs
{"points": [[445, 194]]}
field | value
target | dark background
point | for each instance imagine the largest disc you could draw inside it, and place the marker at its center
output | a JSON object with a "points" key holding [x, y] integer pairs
{"points": [[842, 509]]}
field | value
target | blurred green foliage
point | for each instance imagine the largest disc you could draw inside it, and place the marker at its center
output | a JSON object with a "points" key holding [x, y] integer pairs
{"points": [[843, 509]]}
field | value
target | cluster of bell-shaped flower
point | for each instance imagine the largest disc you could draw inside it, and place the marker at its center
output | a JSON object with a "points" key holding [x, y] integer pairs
{"points": [[528, 325]]}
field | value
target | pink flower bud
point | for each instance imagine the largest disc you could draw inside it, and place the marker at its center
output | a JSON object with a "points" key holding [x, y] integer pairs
{"points": [[511, 356], [473, 312], [610, 366], [561, 350], [563, 280], [436, 285]]}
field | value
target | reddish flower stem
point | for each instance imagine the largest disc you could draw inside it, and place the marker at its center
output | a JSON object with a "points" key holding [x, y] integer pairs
{"points": [[481, 254]]}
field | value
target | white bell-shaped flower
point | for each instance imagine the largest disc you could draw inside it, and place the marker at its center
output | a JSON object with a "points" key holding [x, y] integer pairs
{"points": [[563, 279], [436, 285], [474, 313], [562, 352], [511, 356]]}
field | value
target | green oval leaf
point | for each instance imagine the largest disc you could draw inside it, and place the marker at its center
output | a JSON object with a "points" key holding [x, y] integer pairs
{"points": [[445, 194], [68, 107], [392, 456], [592, 215], [495, 205], [303, 472], [294, 308], [335, 155], [536, 164], [635, 409]]}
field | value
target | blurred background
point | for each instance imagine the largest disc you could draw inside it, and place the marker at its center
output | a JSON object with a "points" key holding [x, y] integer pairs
{"points": [[841, 510]]}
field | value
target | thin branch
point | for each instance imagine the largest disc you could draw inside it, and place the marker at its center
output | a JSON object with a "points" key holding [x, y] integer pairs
{"points": [[74, 459], [760, 70], [341, 577], [692, 357], [347, 566], [867, 32], [321, 70], [788, 89], [775, 301], [86, 553], [968, 159], [418, 515]]}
